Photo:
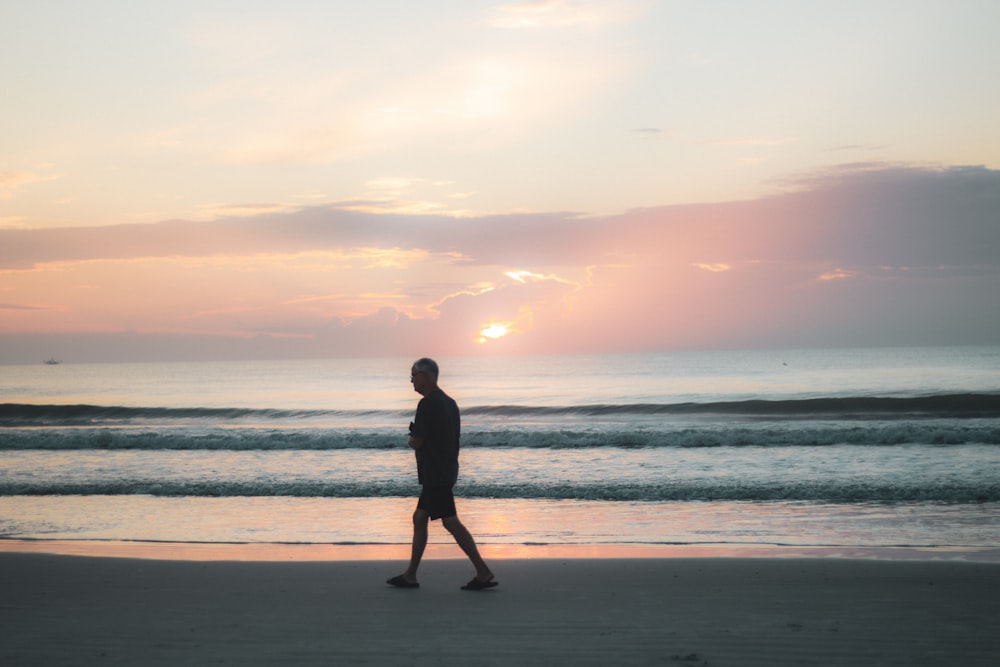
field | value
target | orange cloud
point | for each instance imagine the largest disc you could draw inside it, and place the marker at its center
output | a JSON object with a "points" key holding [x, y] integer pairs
{"points": [[838, 274], [714, 268], [12, 180]]}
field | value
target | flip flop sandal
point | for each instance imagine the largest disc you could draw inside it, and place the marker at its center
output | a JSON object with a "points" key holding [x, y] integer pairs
{"points": [[399, 582], [477, 584]]}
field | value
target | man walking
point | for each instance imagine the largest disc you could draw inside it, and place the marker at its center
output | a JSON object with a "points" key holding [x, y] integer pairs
{"points": [[434, 434]]}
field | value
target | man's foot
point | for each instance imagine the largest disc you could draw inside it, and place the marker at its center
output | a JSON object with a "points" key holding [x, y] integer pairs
{"points": [[477, 584], [400, 581]]}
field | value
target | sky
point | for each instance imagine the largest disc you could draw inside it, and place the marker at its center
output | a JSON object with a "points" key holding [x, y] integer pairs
{"points": [[239, 180]]}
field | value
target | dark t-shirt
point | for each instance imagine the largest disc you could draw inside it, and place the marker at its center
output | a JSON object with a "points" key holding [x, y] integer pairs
{"points": [[438, 423]]}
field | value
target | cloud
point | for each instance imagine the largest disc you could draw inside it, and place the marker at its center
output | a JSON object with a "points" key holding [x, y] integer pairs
{"points": [[853, 255], [894, 216], [838, 274], [10, 180], [19, 306], [238, 210], [13, 221], [753, 141], [860, 147], [525, 277], [393, 184], [281, 93], [715, 268]]}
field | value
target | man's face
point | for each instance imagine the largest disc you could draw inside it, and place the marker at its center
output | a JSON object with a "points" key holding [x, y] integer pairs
{"points": [[420, 381]]}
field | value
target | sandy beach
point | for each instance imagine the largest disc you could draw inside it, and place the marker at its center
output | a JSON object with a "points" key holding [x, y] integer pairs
{"points": [[84, 610]]}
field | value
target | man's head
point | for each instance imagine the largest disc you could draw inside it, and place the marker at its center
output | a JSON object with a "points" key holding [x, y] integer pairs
{"points": [[424, 375]]}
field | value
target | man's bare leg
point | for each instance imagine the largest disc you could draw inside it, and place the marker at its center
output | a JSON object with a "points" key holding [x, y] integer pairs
{"points": [[409, 578], [420, 519], [465, 540]]}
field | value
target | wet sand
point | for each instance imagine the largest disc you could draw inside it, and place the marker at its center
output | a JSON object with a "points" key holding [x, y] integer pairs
{"points": [[684, 611]]}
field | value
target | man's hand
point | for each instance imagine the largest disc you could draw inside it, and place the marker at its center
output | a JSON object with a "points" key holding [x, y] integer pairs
{"points": [[415, 443]]}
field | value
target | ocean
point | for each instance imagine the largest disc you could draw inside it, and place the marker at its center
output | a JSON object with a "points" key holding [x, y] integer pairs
{"points": [[844, 448]]}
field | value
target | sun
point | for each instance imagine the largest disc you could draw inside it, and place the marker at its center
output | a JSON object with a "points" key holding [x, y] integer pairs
{"points": [[493, 331]]}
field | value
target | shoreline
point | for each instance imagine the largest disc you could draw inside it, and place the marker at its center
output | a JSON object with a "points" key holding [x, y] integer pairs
{"points": [[270, 552]]}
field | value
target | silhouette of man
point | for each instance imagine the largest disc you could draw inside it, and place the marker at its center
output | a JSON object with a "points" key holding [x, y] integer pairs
{"points": [[434, 436]]}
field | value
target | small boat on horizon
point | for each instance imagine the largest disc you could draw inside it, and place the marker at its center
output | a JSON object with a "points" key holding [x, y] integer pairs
{"points": [[52, 361]]}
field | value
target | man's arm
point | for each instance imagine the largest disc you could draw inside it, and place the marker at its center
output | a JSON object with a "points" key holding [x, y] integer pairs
{"points": [[415, 441]]}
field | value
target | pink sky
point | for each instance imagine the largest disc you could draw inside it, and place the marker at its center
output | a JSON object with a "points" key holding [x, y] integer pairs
{"points": [[854, 256], [182, 180]]}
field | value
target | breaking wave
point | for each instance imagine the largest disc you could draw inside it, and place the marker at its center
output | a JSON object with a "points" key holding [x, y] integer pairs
{"points": [[829, 492], [858, 407], [251, 439]]}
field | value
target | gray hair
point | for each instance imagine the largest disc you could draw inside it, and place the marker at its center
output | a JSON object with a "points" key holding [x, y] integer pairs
{"points": [[428, 366]]}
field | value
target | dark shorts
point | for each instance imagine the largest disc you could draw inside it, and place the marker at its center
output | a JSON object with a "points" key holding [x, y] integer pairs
{"points": [[438, 502]]}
